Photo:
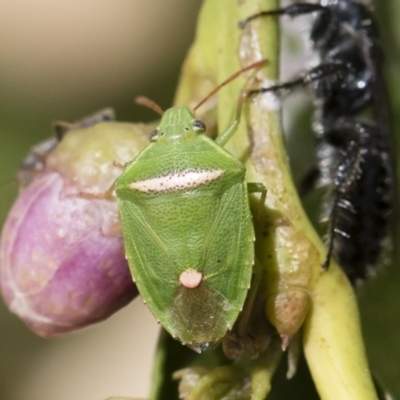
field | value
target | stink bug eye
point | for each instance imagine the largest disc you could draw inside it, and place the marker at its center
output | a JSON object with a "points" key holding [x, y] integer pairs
{"points": [[199, 126]]}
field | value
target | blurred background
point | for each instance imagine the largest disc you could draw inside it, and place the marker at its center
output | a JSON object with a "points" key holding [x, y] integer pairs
{"points": [[65, 60]]}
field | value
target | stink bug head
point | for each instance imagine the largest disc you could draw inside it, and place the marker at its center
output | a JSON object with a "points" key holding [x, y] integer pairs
{"points": [[177, 124]]}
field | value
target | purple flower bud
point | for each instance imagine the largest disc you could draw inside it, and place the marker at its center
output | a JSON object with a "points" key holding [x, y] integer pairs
{"points": [[62, 262]]}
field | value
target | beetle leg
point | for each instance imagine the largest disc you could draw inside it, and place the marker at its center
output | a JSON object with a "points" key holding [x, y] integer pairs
{"points": [[346, 173], [327, 74], [293, 11]]}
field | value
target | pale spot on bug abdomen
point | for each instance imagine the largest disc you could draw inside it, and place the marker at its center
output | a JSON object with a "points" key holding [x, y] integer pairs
{"points": [[176, 181], [190, 278]]}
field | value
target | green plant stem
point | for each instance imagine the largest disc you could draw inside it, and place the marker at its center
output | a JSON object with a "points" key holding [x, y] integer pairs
{"points": [[287, 245]]}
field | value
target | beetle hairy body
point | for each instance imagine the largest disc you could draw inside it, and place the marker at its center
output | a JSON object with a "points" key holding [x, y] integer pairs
{"points": [[355, 157]]}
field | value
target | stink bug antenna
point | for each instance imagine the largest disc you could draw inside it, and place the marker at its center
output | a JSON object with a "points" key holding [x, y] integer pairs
{"points": [[144, 101], [255, 65]]}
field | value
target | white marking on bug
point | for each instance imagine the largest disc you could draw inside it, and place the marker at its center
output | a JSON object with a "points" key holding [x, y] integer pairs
{"points": [[190, 278], [177, 181]]}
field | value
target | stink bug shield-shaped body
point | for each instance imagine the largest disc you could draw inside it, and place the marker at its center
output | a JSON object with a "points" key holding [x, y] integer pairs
{"points": [[188, 230]]}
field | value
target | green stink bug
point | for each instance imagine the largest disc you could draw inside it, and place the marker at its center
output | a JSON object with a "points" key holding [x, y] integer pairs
{"points": [[187, 227]]}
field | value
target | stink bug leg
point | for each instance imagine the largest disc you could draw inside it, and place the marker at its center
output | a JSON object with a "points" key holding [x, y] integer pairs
{"points": [[187, 227], [222, 139], [249, 335], [253, 187]]}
